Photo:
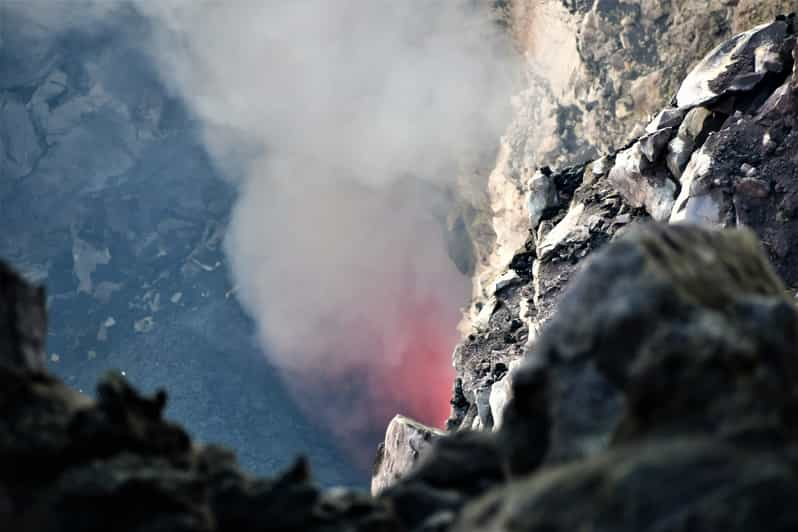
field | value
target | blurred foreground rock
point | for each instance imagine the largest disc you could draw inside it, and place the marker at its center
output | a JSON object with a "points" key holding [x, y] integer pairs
{"points": [[69, 463], [662, 395]]}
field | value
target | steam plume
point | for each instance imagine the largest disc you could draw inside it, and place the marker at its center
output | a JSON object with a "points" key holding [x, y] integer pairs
{"points": [[361, 113], [353, 118]]}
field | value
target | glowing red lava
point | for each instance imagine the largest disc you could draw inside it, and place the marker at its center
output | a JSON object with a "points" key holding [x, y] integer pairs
{"points": [[406, 369], [420, 386]]}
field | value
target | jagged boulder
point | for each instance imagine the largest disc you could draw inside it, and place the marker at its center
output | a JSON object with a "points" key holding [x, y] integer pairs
{"points": [[406, 441], [665, 304], [661, 395], [695, 339], [455, 469]]}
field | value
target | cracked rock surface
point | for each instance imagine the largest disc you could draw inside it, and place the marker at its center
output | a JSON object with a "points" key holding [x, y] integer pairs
{"points": [[718, 156], [607, 360], [660, 395]]}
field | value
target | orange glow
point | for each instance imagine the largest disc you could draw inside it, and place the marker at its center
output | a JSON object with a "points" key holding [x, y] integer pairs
{"points": [[406, 369]]}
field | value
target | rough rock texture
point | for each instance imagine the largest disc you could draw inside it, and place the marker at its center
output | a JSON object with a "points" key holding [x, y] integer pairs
{"points": [[685, 345], [405, 443], [661, 395], [720, 155], [595, 73], [456, 469], [695, 341], [69, 463], [666, 303]]}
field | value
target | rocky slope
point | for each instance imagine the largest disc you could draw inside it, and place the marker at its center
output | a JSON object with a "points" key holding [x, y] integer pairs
{"points": [[716, 154], [685, 420], [108, 196], [660, 396], [625, 376], [595, 72]]}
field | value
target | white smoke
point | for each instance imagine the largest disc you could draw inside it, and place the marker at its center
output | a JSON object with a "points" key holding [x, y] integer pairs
{"points": [[355, 116], [344, 98]]}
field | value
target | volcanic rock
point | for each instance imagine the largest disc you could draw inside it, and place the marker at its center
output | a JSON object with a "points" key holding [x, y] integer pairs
{"points": [[694, 339], [692, 133], [690, 484], [456, 468], [721, 160], [661, 299], [23, 324], [595, 72], [69, 463], [735, 65], [406, 441], [660, 395], [640, 182]]}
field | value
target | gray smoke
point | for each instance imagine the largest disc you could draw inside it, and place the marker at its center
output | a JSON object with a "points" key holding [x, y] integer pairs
{"points": [[346, 122]]}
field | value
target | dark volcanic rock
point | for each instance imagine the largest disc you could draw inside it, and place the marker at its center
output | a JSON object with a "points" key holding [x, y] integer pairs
{"points": [[722, 157], [676, 314], [661, 395], [23, 323], [694, 333], [671, 485], [69, 463]]}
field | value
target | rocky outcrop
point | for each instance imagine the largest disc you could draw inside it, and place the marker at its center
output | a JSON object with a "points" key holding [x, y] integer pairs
{"points": [[693, 339], [718, 155], [405, 443], [595, 72], [661, 395]]}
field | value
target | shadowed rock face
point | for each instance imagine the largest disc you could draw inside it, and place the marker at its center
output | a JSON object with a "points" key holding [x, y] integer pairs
{"points": [[609, 350], [684, 343], [719, 156], [661, 395]]}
